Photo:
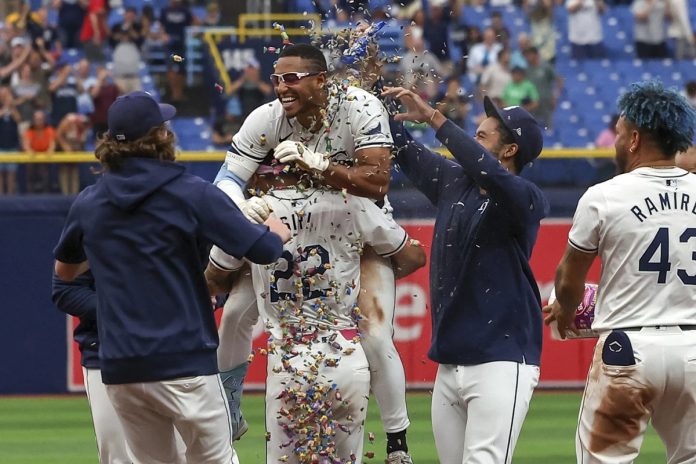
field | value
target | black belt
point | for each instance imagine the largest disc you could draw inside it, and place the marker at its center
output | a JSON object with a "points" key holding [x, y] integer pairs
{"points": [[638, 329]]}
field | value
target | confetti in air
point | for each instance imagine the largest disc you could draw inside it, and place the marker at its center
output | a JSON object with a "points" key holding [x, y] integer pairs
{"points": [[176, 58]]}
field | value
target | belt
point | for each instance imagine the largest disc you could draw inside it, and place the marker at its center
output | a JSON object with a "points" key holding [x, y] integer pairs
{"points": [[638, 329]]}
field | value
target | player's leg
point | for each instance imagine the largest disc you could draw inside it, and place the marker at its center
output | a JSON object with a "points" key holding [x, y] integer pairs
{"points": [[276, 437], [497, 395], [449, 416], [150, 432], [674, 414], [614, 410], [236, 327], [111, 440], [387, 376]]}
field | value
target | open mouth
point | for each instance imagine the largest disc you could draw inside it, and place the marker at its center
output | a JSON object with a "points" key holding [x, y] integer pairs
{"points": [[287, 102]]}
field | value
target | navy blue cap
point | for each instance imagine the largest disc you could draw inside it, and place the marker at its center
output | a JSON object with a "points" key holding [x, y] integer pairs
{"points": [[524, 128], [132, 115]]}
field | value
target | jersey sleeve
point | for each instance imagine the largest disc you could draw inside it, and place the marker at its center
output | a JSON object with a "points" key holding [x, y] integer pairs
{"points": [[250, 145], [369, 121], [585, 232], [377, 229], [70, 246]]}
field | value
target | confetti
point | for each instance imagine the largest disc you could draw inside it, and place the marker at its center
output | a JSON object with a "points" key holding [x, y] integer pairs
{"points": [[219, 88], [263, 140], [370, 454], [176, 58], [371, 437]]}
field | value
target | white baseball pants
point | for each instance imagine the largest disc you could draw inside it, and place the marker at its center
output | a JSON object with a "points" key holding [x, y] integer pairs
{"points": [[478, 410], [152, 412], [619, 400], [111, 441], [352, 376], [376, 302]]}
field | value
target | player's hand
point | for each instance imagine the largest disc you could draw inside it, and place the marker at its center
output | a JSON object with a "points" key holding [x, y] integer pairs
{"points": [[255, 209], [564, 319], [417, 109], [279, 228], [296, 152]]}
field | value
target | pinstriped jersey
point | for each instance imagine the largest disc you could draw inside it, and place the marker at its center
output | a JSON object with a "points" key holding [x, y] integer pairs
{"points": [[356, 119], [643, 227], [317, 279]]}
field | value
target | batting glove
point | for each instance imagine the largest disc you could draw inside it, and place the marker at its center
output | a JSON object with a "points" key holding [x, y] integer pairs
{"points": [[255, 209], [298, 153]]}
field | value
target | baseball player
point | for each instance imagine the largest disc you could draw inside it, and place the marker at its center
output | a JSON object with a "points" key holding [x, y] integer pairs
{"points": [[340, 135], [140, 229], [641, 226], [318, 378], [486, 308]]}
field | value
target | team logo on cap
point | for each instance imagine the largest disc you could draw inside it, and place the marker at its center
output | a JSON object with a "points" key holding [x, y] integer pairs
{"points": [[519, 131]]}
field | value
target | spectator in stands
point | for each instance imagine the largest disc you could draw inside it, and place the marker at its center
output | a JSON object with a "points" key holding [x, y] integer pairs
{"points": [[71, 136], [18, 55], [85, 81], [517, 58], [43, 35], [482, 54], [547, 82], [436, 29], [454, 103], [175, 18], [690, 89], [585, 28], [459, 35], [64, 92], [127, 38], [71, 16], [496, 77], [104, 92], [607, 137], [540, 17], [250, 89], [521, 92], [9, 141], [94, 31], [39, 138], [212, 15], [502, 34], [26, 92], [228, 123], [681, 31], [421, 70], [649, 28]]}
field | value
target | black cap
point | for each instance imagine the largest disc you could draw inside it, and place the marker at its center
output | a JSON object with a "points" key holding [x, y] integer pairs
{"points": [[132, 116], [524, 128]]}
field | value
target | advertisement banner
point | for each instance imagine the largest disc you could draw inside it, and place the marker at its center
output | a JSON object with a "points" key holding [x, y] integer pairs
{"points": [[564, 363]]}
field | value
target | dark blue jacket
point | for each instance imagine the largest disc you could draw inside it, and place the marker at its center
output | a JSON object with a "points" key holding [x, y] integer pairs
{"points": [[142, 228], [485, 301], [79, 298]]}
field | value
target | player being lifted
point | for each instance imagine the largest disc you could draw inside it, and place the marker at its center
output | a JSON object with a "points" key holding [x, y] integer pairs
{"points": [[318, 379], [340, 135], [641, 226]]}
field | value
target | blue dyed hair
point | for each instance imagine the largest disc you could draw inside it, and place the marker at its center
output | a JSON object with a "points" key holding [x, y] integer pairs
{"points": [[662, 113]]}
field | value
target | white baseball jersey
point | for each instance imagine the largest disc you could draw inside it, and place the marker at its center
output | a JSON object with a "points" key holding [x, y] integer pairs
{"points": [[316, 281], [356, 120], [643, 226]]}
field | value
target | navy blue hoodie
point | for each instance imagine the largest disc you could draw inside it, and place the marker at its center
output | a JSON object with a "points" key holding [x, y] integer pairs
{"points": [[142, 228], [79, 298], [485, 301]]}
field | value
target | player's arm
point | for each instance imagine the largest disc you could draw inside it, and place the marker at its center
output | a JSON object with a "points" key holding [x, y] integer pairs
{"points": [[583, 244], [77, 298], [71, 260], [368, 177], [409, 259]]}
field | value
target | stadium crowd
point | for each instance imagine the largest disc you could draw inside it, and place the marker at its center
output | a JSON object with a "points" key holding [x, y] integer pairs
{"points": [[52, 102]]}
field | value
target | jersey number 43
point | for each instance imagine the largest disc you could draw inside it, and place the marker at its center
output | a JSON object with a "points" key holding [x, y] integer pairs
{"points": [[662, 266]]}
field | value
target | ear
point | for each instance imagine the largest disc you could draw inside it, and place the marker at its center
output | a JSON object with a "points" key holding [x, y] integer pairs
{"points": [[510, 151], [321, 80], [636, 141]]}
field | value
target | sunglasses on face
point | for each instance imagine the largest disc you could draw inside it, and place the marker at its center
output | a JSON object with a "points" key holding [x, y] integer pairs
{"points": [[291, 78]]}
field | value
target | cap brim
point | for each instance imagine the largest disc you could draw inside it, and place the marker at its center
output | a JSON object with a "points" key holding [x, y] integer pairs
{"points": [[167, 111], [491, 110]]}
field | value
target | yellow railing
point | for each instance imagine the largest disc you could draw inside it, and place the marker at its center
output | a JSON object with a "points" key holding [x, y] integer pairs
{"points": [[85, 157], [209, 38], [243, 31]]}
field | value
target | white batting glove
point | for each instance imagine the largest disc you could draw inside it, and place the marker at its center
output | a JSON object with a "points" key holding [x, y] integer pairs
{"points": [[255, 209], [298, 153]]}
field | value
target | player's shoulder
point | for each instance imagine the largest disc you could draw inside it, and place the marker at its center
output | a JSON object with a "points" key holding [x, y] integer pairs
{"points": [[358, 96], [267, 112]]}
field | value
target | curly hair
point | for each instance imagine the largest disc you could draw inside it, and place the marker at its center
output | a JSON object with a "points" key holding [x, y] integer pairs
{"points": [[111, 153], [663, 114]]}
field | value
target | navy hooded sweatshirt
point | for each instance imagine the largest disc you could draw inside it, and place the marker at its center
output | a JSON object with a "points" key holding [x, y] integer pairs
{"points": [[143, 227], [485, 301], [79, 298]]}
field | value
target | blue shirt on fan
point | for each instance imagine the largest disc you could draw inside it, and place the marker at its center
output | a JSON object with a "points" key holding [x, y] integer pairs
{"points": [[143, 227], [485, 304]]}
